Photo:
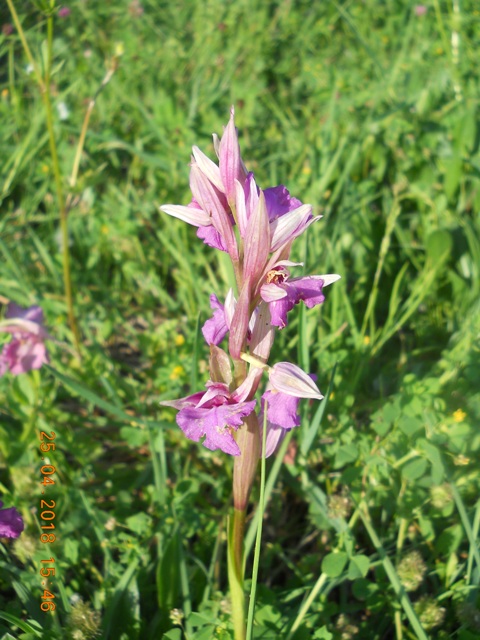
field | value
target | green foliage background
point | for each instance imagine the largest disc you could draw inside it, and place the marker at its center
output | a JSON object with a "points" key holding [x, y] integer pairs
{"points": [[370, 112]]}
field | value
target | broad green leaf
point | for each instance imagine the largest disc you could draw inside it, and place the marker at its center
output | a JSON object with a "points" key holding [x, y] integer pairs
{"points": [[358, 567], [414, 469], [333, 564]]}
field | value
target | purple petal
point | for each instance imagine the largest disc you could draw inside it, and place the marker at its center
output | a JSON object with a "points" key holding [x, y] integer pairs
{"points": [[275, 435], [215, 424], [280, 299], [223, 440], [3, 363], [188, 401], [279, 311], [34, 313], [282, 409], [211, 237], [215, 329], [23, 354], [11, 523], [282, 294], [279, 202], [217, 393], [309, 289]]}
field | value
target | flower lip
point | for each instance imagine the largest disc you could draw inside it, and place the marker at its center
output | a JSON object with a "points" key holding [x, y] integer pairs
{"points": [[282, 293], [212, 415]]}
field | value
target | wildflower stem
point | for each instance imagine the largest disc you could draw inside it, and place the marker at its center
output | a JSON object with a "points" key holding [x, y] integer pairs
{"points": [[44, 85], [86, 121], [26, 48], [67, 280], [236, 531]]}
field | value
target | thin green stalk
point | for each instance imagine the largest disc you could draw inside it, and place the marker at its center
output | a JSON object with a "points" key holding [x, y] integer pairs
{"points": [[402, 529], [475, 529], [67, 280], [398, 625], [186, 595], [320, 583], [453, 50], [158, 463], [260, 511], [44, 85], [317, 588], [26, 48], [236, 530], [466, 524], [392, 575], [272, 478], [86, 121], [391, 220]]}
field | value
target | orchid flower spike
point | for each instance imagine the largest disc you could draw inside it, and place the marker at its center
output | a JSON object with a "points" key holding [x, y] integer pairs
{"points": [[225, 195]]}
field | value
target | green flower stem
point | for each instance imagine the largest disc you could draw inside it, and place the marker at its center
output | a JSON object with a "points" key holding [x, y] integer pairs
{"points": [[236, 531], [44, 85], [67, 280], [26, 48]]}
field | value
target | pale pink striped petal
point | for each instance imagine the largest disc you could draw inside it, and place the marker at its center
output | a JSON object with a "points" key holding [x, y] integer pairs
{"points": [[208, 168], [290, 379], [196, 217]]}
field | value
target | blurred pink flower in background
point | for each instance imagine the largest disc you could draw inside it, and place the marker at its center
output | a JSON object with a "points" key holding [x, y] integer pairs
{"points": [[420, 10], [26, 350], [11, 523]]}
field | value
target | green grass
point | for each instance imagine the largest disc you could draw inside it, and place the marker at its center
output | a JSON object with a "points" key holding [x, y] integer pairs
{"points": [[364, 110]]}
